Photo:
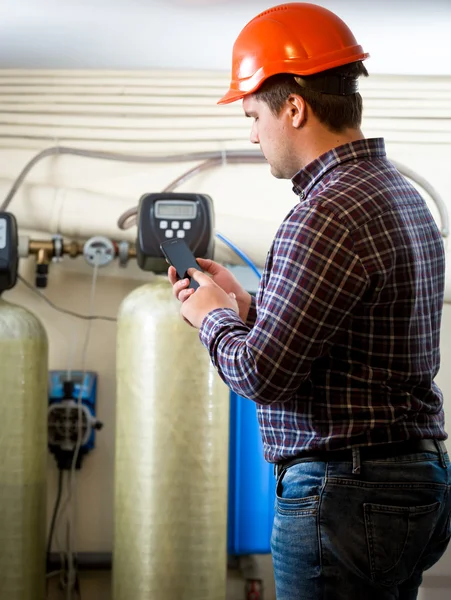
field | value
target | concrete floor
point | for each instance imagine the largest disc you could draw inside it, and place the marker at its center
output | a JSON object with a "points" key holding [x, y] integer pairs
{"points": [[97, 585], [434, 594]]}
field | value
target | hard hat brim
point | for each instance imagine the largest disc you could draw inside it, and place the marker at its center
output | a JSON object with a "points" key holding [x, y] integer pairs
{"points": [[275, 68], [232, 96]]}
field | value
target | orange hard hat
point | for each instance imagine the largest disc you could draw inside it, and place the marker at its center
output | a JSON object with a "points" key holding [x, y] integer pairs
{"points": [[297, 38]]}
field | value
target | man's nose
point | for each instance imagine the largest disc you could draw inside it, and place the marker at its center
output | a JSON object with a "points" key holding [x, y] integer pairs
{"points": [[254, 136]]}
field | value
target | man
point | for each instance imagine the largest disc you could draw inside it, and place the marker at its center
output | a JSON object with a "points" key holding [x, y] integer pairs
{"points": [[341, 346]]}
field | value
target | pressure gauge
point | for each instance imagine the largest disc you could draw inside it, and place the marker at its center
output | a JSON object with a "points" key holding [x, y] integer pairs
{"points": [[172, 215]]}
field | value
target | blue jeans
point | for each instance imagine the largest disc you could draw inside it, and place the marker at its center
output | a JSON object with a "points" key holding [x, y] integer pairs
{"points": [[340, 536]]}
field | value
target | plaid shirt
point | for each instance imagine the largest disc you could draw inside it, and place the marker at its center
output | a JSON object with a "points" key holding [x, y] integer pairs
{"points": [[341, 347]]}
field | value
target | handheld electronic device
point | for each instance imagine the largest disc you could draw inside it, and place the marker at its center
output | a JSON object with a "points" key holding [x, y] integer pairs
{"points": [[173, 216], [179, 255]]}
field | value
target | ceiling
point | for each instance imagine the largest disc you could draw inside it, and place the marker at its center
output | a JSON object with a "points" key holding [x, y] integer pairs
{"points": [[199, 34]]}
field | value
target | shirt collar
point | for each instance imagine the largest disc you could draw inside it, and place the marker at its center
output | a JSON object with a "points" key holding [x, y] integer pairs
{"points": [[306, 179]]}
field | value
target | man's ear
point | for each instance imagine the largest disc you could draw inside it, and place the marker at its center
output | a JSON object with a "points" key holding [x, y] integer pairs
{"points": [[298, 110]]}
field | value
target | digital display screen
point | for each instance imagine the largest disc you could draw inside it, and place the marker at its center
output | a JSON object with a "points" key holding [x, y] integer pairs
{"points": [[175, 210]]}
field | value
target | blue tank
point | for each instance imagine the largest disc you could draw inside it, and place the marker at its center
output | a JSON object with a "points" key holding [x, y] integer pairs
{"points": [[251, 483]]}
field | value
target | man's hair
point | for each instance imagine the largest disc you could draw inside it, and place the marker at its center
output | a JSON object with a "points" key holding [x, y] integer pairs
{"points": [[337, 113]]}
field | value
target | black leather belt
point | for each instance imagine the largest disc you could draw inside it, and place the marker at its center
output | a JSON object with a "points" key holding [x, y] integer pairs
{"points": [[366, 453]]}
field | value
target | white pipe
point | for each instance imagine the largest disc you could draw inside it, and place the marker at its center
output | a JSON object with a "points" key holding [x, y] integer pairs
{"points": [[71, 212], [81, 214]]}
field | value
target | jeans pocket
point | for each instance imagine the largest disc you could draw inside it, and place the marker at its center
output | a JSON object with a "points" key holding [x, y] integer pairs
{"points": [[297, 492], [396, 538]]}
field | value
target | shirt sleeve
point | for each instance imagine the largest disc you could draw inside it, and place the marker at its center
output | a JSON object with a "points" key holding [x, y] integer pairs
{"points": [[311, 284], [252, 314]]}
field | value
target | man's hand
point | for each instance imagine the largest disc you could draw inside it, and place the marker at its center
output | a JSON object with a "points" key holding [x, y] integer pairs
{"points": [[221, 276], [206, 298]]}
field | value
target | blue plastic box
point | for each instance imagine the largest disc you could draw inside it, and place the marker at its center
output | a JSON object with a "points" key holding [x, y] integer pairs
{"points": [[251, 483]]}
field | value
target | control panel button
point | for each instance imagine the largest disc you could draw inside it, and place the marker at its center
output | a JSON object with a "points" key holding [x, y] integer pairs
{"points": [[186, 225], [169, 233], [163, 224], [175, 224], [180, 233]]}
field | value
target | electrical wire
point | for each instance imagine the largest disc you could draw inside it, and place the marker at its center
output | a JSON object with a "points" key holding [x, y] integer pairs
{"points": [[72, 581], [62, 569], [69, 572], [64, 562], [52, 528], [72, 575], [55, 514], [71, 351], [63, 310]]}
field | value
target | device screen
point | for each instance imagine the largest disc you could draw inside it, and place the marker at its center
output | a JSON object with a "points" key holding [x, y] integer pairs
{"points": [[175, 210], [180, 256]]}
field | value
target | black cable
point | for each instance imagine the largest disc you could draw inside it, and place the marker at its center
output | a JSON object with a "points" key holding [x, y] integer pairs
{"points": [[77, 585], [55, 515], [63, 310]]}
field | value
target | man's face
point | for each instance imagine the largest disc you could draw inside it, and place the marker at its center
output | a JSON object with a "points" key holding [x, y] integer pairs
{"points": [[274, 134]]}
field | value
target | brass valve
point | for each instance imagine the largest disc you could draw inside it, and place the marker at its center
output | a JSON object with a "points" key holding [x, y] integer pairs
{"points": [[47, 251]]}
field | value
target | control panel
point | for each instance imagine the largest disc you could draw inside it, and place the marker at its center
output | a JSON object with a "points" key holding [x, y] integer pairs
{"points": [[9, 253], [171, 215]]}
